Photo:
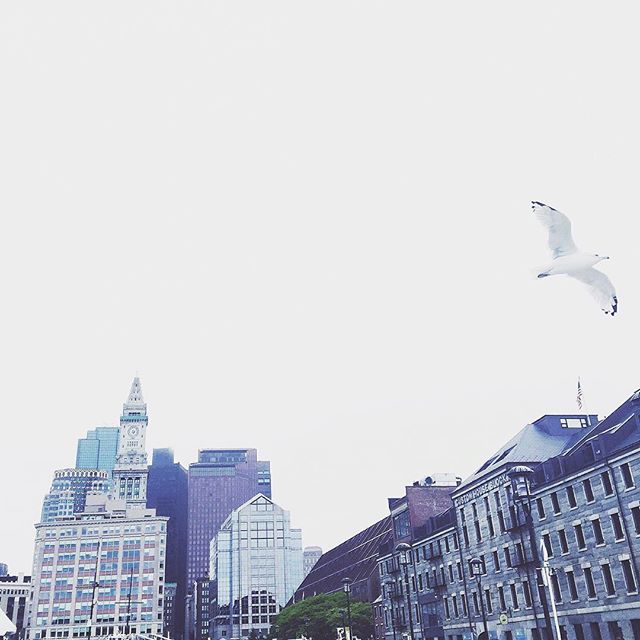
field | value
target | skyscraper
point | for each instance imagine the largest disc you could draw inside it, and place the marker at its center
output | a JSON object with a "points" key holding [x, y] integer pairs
{"points": [[256, 565], [219, 482], [167, 494], [130, 471], [69, 490], [98, 450], [102, 571]]}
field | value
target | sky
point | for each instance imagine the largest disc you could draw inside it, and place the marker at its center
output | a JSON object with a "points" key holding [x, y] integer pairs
{"points": [[306, 227]]}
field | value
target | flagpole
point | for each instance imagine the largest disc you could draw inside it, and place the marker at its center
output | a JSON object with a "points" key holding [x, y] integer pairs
{"points": [[581, 403]]}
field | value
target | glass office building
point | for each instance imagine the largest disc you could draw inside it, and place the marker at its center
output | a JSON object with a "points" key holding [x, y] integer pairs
{"points": [[98, 450], [256, 566]]}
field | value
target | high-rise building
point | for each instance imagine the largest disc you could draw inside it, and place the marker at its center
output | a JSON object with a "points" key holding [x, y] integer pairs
{"points": [[102, 571], [4, 570], [170, 622], [219, 482], [99, 571], [310, 556], [130, 471], [98, 450], [69, 490], [256, 565], [14, 600], [167, 494]]}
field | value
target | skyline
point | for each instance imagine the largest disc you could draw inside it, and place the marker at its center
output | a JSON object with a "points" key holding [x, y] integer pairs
{"points": [[308, 230]]}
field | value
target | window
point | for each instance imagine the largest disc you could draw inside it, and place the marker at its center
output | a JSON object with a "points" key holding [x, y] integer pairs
{"points": [[606, 483], [580, 536], [555, 503], [507, 557], [571, 497], [463, 601], [492, 531], [595, 631], [459, 569], [503, 602], [597, 531], [591, 585], [541, 514], [514, 596], [608, 580], [546, 539], [447, 612], [555, 585], [564, 543], [496, 561], [573, 588], [489, 601], [526, 590], [635, 512], [627, 477], [617, 526], [578, 631], [476, 605], [451, 573], [588, 490], [629, 578]]}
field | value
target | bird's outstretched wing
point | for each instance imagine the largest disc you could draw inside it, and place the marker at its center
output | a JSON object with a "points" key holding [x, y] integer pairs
{"points": [[600, 288], [559, 226]]}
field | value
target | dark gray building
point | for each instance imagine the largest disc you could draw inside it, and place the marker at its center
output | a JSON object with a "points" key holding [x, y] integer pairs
{"points": [[167, 493]]}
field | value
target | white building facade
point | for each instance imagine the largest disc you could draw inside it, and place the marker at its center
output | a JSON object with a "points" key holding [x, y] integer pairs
{"points": [[101, 571], [256, 566]]}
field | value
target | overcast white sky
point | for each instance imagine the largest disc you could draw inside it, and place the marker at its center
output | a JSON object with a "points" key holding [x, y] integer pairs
{"points": [[307, 227]]}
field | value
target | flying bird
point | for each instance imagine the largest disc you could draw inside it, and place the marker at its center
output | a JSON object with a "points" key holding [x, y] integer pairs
{"points": [[570, 261]]}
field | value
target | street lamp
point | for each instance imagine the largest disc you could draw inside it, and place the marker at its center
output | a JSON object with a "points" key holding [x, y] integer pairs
{"points": [[520, 477], [477, 568], [346, 586], [403, 550]]}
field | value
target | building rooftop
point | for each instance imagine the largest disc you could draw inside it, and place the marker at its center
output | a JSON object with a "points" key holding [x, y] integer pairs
{"points": [[356, 558], [545, 438]]}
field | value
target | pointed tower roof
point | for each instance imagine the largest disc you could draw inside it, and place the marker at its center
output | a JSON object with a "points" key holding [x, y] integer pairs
{"points": [[135, 401]]}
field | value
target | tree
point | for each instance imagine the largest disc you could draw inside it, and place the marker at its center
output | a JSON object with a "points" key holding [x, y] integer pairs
{"points": [[319, 617]]}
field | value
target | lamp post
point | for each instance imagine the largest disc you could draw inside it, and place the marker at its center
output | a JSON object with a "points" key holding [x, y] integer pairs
{"points": [[520, 477], [477, 568], [403, 556], [346, 586]]}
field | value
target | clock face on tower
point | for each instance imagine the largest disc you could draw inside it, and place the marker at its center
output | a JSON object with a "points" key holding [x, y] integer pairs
{"points": [[133, 431]]}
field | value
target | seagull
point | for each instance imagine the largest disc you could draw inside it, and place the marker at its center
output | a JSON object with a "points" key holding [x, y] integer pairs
{"points": [[570, 261]]}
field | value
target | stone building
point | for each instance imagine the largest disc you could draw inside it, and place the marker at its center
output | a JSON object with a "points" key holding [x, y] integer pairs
{"points": [[69, 491], [564, 489]]}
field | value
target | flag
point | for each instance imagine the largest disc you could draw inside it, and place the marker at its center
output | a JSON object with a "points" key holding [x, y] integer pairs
{"points": [[579, 396]]}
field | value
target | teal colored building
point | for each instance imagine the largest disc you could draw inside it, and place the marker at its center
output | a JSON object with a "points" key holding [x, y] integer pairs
{"points": [[98, 450]]}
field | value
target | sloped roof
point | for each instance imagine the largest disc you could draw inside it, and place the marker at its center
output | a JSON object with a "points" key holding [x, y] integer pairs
{"points": [[536, 442], [356, 558]]}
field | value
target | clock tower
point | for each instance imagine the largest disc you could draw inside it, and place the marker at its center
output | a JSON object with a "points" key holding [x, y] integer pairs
{"points": [[130, 472]]}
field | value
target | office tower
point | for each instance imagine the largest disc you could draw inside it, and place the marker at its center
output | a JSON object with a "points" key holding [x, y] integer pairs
{"points": [[69, 490], [4, 570], [256, 566], [102, 571], [98, 450], [130, 471], [167, 494], [14, 599], [117, 547], [170, 622], [310, 556], [219, 482]]}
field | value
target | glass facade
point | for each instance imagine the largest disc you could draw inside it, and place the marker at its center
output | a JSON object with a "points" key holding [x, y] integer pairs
{"points": [[256, 565], [98, 450]]}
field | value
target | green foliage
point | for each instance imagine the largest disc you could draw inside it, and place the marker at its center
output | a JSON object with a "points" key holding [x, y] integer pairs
{"points": [[320, 616]]}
